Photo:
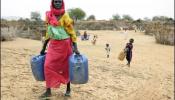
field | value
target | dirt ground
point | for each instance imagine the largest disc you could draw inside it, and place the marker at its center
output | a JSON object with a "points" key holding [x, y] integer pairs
{"points": [[150, 77]]}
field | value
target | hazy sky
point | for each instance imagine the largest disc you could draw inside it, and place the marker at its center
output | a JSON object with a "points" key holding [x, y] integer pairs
{"points": [[100, 8]]}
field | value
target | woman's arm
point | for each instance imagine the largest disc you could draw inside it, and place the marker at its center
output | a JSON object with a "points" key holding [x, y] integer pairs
{"points": [[75, 48], [42, 52], [68, 24]]}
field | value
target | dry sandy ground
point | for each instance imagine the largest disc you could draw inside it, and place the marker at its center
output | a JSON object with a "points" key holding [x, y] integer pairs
{"points": [[151, 76]]}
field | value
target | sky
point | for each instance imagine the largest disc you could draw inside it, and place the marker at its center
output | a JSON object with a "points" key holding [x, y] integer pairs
{"points": [[102, 9]]}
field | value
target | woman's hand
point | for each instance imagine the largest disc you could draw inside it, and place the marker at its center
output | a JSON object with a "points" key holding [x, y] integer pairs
{"points": [[75, 48], [42, 52]]}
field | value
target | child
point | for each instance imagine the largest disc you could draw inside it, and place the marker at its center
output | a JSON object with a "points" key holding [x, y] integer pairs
{"points": [[85, 35], [128, 51], [107, 50], [94, 39]]}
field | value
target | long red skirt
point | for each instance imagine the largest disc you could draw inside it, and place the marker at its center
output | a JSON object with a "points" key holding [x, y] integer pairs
{"points": [[56, 68]]}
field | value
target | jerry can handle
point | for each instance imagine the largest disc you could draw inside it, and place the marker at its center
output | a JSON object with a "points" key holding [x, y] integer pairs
{"points": [[78, 56]]}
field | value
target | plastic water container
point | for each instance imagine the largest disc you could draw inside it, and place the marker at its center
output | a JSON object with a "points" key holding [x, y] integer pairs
{"points": [[78, 69], [37, 66]]}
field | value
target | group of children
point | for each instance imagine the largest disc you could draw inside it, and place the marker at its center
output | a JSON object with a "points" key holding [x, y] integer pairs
{"points": [[127, 51], [85, 36]]}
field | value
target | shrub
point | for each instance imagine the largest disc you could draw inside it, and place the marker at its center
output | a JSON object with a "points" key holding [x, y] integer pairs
{"points": [[163, 32], [149, 29], [165, 35], [7, 34], [101, 25]]}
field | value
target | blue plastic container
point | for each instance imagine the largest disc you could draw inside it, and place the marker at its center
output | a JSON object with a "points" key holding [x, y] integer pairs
{"points": [[78, 69], [37, 65]]}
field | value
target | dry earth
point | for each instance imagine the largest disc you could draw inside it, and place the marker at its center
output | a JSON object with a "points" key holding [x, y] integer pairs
{"points": [[150, 77]]}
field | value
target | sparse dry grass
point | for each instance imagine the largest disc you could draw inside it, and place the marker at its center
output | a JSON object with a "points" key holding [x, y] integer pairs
{"points": [[7, 34], [163, 32]]}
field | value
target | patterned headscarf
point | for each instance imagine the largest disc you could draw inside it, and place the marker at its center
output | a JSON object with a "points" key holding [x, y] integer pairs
{"points": [[50, 15]]}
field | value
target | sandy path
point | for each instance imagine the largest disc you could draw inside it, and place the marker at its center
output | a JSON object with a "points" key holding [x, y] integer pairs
{"points": [[149, 78]]}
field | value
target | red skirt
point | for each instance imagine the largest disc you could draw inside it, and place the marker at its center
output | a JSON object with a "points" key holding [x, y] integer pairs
{"points": [[56, 67]]}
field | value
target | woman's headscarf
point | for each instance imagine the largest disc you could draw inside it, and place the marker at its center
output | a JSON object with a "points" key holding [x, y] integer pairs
{"points": [[50, 15]]}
